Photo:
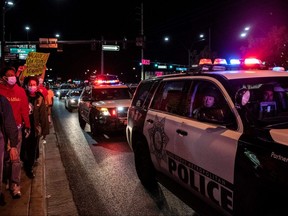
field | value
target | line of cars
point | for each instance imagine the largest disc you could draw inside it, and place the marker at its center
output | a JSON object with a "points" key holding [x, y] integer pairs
{"points": [[72, 95]]}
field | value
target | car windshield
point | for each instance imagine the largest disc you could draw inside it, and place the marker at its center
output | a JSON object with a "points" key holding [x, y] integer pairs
{"points": [[65, 87], [111, 94], [268, 102], [75, 93]]}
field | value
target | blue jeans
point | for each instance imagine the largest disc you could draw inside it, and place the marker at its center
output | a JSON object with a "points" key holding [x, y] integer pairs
{"points": [[12, 169]]}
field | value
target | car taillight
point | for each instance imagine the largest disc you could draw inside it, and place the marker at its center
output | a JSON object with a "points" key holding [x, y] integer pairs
{"points": [[113, 112]]}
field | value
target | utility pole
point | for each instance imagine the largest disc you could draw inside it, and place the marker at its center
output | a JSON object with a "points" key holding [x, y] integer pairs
{"points": [[142, 47], [3, 42], [3, 35], [102, 56]]}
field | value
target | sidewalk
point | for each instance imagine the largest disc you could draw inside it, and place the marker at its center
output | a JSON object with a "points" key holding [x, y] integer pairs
{"points": [[48, 193]]}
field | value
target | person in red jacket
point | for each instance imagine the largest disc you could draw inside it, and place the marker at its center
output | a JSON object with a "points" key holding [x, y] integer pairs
{"points": [[18, 99]]}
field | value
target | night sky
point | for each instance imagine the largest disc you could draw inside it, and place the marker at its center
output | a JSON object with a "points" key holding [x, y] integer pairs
{"points": [[182, 21]]}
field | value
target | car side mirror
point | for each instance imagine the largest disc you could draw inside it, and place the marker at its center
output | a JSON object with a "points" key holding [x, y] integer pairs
{"points": [[242, 97]]}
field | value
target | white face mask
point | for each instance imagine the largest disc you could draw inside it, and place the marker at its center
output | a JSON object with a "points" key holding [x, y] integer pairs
{"points": [[11, 80], [32, 89]]}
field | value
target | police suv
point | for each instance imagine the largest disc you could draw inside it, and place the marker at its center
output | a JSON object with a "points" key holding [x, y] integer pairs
{"points": [[232, 158], [103, 105]]}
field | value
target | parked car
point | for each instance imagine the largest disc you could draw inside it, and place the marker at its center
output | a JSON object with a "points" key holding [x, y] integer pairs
{"points": [[233, 158], [63, 90], [103, 105], [72, 99]]}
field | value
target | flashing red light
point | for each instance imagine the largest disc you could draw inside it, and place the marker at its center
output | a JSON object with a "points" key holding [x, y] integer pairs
{"points": [[249, 61], [101, 82], [205, 61]]}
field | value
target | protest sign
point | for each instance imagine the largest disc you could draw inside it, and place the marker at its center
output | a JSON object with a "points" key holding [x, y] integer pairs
{"points": [[35, 63]]}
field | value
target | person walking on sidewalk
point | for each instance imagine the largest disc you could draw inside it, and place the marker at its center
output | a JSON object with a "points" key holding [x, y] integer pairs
{"points": [[49, 102], [19, 102], [8, 133], [39, 126]]}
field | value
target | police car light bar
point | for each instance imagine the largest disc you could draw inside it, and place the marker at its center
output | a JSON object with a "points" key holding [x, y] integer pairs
{"points": [[101, 82]]}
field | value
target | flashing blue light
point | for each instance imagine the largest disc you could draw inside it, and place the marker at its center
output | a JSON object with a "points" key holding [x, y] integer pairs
{"points": [[278, 69], [234, 61]]}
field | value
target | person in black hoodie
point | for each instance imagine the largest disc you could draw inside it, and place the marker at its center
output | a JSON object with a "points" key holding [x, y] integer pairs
{"points": [[39, 126], [8, 134]]}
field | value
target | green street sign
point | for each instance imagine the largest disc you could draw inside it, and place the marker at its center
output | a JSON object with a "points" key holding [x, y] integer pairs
{"points": [[22, 50], [110, 48]]}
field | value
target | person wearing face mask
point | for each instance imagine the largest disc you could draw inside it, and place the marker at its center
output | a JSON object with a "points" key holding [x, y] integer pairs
{"points": [[39, 126], [42, 88], [19, 102]]}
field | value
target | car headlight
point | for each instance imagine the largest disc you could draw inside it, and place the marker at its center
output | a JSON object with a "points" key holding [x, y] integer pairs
{"points": [[105, 111], [120, 109]]}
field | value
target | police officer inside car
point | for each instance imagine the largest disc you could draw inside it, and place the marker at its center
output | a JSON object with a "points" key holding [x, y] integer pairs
{"points": [[208, 102]]}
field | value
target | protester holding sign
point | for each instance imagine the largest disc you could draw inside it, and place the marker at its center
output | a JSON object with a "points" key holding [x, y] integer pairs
{"points": [[35, 66]]}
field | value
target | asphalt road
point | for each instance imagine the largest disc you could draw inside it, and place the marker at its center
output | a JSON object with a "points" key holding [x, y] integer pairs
{"points": [[101, 173]]}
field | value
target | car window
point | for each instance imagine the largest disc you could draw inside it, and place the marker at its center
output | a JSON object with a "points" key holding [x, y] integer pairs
{"points": [[65, 87], [258, 111], [208, 104], [144, 93], [86, 94], [111, 94], [75, 93], [172, 97]]}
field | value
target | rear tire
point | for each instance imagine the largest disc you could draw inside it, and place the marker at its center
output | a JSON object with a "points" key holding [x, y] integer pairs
{"points": [[93, 127], [69, 109], [143, 164], [82, 123]]}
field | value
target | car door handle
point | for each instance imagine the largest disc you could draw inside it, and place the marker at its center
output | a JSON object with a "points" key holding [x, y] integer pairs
{"points": [[181, 132]]}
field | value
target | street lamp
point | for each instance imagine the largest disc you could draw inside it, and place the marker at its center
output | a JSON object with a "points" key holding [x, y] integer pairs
{"points": [[5, 6], [200, 38], [27, 31], [245, 32]]}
